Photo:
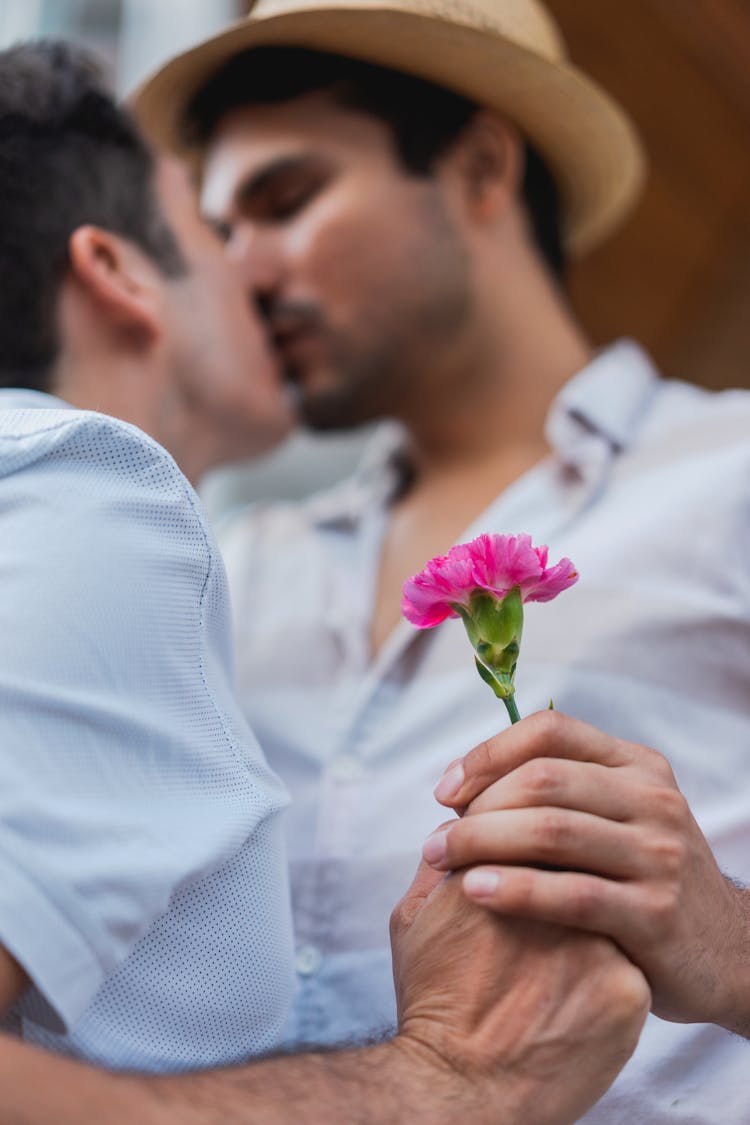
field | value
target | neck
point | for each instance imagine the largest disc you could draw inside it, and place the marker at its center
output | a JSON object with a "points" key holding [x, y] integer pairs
{"points": [[135, 389], [480, 428], [523, 348]]}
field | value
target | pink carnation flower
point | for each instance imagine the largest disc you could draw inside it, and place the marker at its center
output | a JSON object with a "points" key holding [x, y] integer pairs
{"points": [[495, 563]]}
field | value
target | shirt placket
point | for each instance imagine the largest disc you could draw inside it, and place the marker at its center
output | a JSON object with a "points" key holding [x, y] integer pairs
{"points": [[542, 502], [321, 911]]}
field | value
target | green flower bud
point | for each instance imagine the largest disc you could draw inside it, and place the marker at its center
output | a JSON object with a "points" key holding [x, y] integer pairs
{"points": [[494, 626]]}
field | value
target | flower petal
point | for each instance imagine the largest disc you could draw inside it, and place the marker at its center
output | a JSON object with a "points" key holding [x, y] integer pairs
{"points": [[496, 563], [553, 582]]}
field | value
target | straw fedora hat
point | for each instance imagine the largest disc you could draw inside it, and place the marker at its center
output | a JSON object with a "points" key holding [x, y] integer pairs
{"points": [[506, 55]]}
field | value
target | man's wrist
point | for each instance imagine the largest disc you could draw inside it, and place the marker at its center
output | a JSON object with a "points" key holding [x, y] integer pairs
{"points": [[445, 1081], [735, 1007]]}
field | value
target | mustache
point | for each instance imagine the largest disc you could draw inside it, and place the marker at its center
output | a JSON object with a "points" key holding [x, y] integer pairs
{"points": [[287, 318]]}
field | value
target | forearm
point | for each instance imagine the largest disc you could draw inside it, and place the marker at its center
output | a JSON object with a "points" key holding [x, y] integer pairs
{"points": [[393, 1082], [379, 1085], [13, 980], [736, 1005], [37, 1087]]}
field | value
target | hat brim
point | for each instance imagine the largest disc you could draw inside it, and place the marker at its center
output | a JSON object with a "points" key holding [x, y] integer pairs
{"points": [[587, 140]]}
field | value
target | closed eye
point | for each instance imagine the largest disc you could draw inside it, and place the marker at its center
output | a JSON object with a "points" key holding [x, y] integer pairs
{"points": [[284, 188], [284, 204]]}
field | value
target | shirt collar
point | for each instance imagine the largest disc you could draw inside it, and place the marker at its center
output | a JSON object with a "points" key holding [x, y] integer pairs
{"points": [[21, 398], [596, 414], [606, 399], [375, 480]]}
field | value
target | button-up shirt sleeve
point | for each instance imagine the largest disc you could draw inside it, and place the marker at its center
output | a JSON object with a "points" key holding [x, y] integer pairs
{"points": [[118, 736]]}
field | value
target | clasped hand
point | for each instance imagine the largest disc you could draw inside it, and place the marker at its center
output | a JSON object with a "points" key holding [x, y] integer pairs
{"points": [[578, 828]]}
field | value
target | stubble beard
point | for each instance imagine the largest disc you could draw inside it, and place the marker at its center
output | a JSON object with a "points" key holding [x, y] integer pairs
{"points": [[389, 369]]}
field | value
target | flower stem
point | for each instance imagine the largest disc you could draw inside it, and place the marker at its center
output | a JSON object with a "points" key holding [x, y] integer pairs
{"points": [[510, 705]]}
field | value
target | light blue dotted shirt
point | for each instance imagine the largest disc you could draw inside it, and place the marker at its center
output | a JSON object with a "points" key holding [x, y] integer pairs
{"points": [[143, 883]]}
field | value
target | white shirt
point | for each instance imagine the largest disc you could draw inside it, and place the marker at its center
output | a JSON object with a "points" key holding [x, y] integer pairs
{"points": [[647, 489], [142, 871]]}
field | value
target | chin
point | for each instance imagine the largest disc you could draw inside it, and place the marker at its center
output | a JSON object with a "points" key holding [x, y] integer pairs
{"points": [[331, 412], [330, 398], [324, 415]]}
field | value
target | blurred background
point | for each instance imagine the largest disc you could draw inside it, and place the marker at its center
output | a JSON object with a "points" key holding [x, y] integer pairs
{"points": [[677, 277]]}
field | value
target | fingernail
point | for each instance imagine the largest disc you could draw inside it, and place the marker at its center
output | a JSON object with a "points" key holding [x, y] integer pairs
{"points": [[450, 783], [481, 883], [436, 846]]}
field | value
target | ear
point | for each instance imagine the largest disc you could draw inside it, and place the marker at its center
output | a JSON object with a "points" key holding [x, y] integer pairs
{"points": [[119, 278], [489, 160]]}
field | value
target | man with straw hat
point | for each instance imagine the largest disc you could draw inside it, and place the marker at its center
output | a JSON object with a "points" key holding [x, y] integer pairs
{"points": [[401, 182]]}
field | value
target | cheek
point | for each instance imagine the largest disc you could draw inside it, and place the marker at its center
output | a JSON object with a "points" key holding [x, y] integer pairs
{"points": [[226, 307], [340, 255]]}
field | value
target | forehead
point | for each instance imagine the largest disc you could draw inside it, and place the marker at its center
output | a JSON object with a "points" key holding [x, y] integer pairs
{"points": [[250, 139]]}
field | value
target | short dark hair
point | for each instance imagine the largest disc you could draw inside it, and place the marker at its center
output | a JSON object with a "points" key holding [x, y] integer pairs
{"points": [[69, 156], [424, 119]]}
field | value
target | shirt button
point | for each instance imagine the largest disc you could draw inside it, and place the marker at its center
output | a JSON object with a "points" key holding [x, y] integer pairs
{"points": [[308, 960], [346, 768]]}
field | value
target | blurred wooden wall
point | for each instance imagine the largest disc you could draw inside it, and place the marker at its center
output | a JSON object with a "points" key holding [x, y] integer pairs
{"points": [[677, 276]]}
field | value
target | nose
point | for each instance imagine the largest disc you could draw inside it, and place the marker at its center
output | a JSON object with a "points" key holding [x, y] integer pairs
{"points": [[256, 254]]}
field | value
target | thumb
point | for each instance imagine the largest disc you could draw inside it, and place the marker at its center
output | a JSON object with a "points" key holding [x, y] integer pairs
{"points": [[422, 886]]}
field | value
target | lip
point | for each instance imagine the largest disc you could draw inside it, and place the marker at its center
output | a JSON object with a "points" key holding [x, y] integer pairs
{"points": [[297, 343], [282, 336], [269, 358]]}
